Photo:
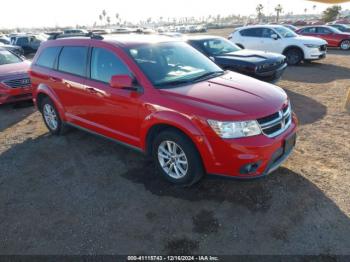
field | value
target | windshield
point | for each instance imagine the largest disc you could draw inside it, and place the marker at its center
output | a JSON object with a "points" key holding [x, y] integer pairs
{"points": [[7, 57], [285, 32], [218, 46], [173, 63], [334, 30]]}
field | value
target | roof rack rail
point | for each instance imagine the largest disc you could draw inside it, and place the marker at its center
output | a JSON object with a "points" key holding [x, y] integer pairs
{"points": [[90, 34]]}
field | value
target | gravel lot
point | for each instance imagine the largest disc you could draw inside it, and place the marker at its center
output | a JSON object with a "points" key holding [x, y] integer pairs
{"points": [[81, 194]]}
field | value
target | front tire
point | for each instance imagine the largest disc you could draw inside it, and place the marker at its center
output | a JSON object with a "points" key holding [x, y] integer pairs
{"points": [[294, 56], [345, 45], [177, 158], [51, 117]]}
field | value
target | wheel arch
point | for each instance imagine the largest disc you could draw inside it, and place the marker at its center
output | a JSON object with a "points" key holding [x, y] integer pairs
{"points": [[294, 47], [44, 91], [161, 121]]}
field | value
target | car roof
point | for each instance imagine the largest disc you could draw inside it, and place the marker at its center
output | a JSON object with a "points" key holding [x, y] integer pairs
{"points": [[259, 26], [201, 37], [123, 40]]}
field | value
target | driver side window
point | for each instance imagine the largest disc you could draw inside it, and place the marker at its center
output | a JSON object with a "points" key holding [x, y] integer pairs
{"points": [[267, 32], [105, 64]]}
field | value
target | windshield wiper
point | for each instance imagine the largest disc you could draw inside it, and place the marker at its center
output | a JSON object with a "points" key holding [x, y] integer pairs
{"points": [[192, 80], [207, 76], [173, 83]]}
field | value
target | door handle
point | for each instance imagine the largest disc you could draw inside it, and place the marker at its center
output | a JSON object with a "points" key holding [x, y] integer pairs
{"points": [[91, 90], [54, 79]]}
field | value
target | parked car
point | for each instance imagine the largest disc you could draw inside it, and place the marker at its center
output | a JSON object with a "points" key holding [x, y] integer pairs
{"points": [[15, 83], [172, 34], [30, 43], [14, 49], [5, 40], [160, 96], [74, 31], [279, 39], [341, 27], [262, 65], [333, 36]]}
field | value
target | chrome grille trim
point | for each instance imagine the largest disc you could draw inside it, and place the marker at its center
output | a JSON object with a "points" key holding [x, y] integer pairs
{"points": [[282, 122], [18, 83]]}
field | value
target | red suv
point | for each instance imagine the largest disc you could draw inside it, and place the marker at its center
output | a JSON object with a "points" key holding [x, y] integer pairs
{"points": [[333, 36], [166, 99]]}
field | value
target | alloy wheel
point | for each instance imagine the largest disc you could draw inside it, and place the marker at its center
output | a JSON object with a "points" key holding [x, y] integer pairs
{"points": [[345, 45], [50, 116], [172, 159]]}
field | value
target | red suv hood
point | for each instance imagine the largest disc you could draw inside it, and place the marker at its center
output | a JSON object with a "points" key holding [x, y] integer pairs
{"points": [[14, 69], [230, 97]]}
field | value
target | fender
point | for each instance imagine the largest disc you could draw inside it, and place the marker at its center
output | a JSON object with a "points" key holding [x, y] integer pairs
{"points": [[182, 123], [44, 89]]}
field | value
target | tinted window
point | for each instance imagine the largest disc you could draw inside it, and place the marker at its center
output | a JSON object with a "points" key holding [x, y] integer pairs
{"points": [[105, 64], [267, 32], [73, 60], [252, 32], [323, 30], [48, 56], [310, 30], [22, 41]]}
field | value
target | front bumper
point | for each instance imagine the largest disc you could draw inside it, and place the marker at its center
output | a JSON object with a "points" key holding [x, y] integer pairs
{"points": [[273, 75], [233, 155], [314, 54], [9, 95]]}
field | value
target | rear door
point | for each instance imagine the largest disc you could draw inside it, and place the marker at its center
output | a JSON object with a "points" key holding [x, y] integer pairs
{"points": [[327, 35], [251, 38], [70, 79]]}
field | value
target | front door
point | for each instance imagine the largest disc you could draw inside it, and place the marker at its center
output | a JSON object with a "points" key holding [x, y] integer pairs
{"points": [[111, 111]]}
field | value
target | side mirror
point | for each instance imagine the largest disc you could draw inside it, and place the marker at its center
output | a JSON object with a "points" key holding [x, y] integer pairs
{"points": [[121, 81], [274, 36]]}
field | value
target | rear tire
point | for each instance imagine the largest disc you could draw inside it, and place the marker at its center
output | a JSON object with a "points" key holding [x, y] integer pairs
{"points": [[177, 158], [51, 117], [345, 45], [294, 56]]}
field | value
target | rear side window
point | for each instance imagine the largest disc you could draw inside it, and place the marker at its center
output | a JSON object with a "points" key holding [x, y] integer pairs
{"points": [[323, 30], [105, 64], [310, 30], [251, 32], [48, 56], [73, 60]]}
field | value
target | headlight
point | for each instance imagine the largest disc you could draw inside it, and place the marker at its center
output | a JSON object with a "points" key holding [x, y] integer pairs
{"points": [[235, 129], [311, 46]]}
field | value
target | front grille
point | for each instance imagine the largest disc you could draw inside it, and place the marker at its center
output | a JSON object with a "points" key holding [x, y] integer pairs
{"points": [[271, 66], [323, 48], [18, 83], [276, 123]]}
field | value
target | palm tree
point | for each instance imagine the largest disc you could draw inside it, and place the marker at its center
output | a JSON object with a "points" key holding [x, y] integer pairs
{"points": [[305, 11], [117, 18], [259, 10], [279, 10], [108, 20], [100, 17]]}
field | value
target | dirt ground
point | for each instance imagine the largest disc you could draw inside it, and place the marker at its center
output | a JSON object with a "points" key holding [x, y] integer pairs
{"points": [[81, 194]]}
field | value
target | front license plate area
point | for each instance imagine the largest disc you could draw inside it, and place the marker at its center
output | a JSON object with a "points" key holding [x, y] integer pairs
{"points": [[289, 143]]}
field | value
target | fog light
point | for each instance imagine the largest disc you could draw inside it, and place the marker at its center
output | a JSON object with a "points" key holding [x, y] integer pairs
{"points": [[250, 168]]}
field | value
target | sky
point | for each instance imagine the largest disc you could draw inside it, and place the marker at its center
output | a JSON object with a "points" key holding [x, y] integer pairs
{"points": [[38, 13]]}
